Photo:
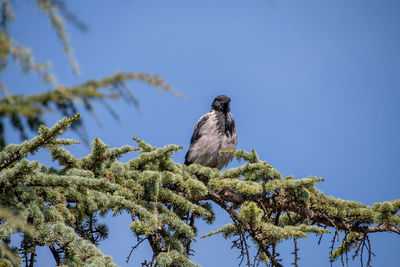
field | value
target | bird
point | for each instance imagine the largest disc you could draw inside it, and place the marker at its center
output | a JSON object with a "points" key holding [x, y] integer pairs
{"points": [[213, 132]]}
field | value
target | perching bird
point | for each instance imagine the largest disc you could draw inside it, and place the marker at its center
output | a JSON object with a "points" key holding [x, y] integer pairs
{"points": [[214, 131]]}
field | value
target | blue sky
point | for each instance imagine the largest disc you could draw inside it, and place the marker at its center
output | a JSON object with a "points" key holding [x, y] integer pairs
{"points": [[315, 89]]}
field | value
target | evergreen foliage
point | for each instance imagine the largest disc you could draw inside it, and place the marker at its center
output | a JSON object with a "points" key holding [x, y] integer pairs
{"points": [[61, 207], [27, 111]]}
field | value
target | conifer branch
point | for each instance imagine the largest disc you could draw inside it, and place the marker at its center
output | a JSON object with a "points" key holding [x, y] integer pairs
{"points": [[30, 110], [62, 205], [14, 153], [49, 7]]}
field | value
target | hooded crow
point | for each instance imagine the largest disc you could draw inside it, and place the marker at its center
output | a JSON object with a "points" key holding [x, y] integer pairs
{"points": [[214, 131]]}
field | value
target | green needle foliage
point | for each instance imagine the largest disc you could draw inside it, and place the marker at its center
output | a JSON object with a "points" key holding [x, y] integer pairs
{"points": [[61, 208], [27, 111]]}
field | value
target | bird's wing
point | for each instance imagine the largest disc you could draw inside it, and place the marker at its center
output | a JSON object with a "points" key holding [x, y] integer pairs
{"points": [[198, 128], [231, 129], [196, 135]]}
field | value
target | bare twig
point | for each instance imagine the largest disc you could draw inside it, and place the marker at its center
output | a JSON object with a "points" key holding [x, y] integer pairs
{"points": [[140, 240]]}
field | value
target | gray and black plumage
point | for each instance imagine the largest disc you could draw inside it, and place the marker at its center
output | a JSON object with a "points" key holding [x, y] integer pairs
{"points": [[213, 132]]}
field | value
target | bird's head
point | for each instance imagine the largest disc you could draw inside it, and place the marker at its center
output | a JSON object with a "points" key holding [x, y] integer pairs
{"points": [[221, 103]]}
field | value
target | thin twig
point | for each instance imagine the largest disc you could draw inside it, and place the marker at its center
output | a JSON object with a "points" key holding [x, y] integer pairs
{"points": [[140, 240], [296, 256]]}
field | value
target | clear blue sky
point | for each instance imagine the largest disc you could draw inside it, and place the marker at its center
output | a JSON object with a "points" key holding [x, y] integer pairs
{"points": [[315, 89]]}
